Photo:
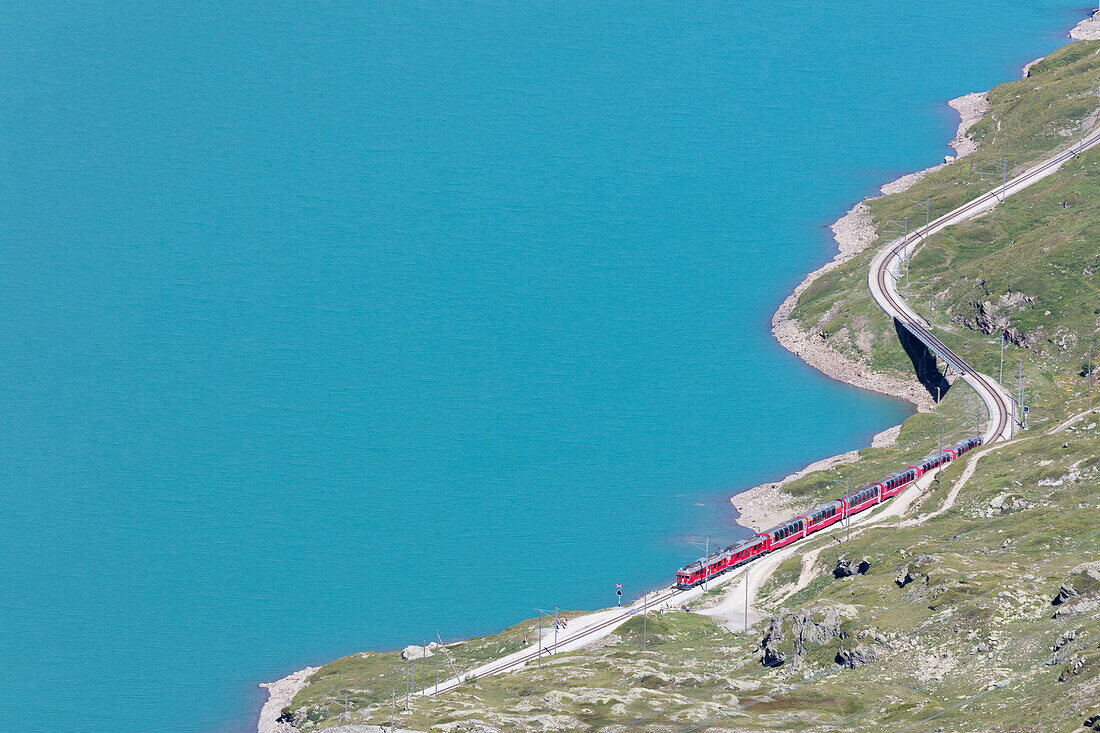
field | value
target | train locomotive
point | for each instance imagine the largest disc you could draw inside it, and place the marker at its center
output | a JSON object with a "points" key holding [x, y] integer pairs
{"points": [[851, 503]]}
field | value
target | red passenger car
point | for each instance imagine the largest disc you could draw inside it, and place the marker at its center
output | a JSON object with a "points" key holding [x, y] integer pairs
{"points": [[695, 573], [862, 498], [786, 533], [895, 482], [824, 515], [741, 552]]}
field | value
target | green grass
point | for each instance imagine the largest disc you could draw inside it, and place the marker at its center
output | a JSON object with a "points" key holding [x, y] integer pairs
{"points": [[978, 612], [1031, 245]]}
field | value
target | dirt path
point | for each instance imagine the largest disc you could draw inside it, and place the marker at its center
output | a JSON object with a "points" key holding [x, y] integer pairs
{"points": [[730, 610]]}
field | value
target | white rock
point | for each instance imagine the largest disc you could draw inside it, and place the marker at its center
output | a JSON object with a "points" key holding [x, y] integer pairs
{"points": [[1088, 29], [414, 651]]}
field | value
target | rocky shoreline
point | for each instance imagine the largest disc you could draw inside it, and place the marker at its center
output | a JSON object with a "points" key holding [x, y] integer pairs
{"points": [[1088, 29], [279, 695], [765, 505]]}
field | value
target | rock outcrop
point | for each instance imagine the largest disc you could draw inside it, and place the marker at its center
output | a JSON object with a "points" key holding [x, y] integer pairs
{"points": [[917, 569], [1065, 592], [993, 318], [280, 693], [790, 635], [415, 651], [857, 657], [846, 568]]}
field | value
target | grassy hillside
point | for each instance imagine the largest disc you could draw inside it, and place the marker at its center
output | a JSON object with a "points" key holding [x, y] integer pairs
{"points": [[985, 615], [1025, 271], [972, 635]]}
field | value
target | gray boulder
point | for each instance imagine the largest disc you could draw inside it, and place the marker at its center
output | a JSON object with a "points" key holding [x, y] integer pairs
{"points": [[846, 568], [857, 657], [1065, 592], [918, 567]]}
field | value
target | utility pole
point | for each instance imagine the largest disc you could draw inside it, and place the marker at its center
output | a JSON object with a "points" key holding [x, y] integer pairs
{"points": [[940, 414], [437, 668], [706, 560], [645, 617], [746, 599], [703, 563], [1001, 373], [1090, 373], [926, 207], [450, 659], [848, 494], [540, 637], [903, 230], [403, 669], [555, 629], [1001, 168], [1023, 408], [931, 293], [541, 612], [847, 499]]}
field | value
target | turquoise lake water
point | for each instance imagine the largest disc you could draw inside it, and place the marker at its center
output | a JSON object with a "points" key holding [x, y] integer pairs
{"points": [[329, 326]]}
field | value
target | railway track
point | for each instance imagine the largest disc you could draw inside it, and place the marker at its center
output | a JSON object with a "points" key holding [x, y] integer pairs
{"points": [[1000, 406], [998, 403], [519, 659]]}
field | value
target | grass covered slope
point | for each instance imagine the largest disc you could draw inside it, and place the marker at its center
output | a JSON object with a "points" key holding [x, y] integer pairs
{"points": [[1024, 270], [980, 608], [955, 623]]}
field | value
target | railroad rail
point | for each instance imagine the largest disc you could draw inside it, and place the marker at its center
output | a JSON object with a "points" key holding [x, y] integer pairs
{"points": [[885, 272], [884, 267]]}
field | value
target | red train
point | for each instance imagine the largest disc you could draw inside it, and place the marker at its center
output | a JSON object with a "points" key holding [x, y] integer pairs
{"points": [[819, 518]]}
